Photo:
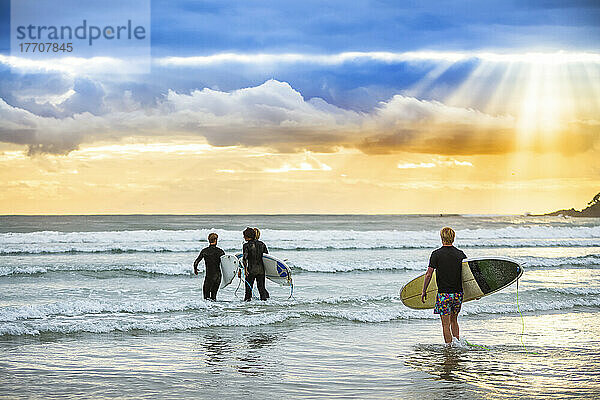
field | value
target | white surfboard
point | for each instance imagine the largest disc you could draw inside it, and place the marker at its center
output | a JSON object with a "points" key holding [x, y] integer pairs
{"points": [[276, 270], [229, 268]]}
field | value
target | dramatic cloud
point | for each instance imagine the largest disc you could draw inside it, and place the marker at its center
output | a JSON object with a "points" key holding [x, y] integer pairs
{"points": [[272, 115], [409, 124]]}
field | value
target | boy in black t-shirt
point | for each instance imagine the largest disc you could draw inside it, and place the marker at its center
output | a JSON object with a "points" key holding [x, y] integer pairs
{"points": [[447, 261], [212, 259]]}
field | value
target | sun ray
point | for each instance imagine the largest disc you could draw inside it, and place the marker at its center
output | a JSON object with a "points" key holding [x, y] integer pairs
{"points": [[425, 83], [503, 93], [528, 113], [467, 94], [579, 86], [593, 80]]}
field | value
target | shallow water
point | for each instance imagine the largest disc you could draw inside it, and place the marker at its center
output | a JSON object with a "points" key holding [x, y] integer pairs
{"points": [[108, 307]]}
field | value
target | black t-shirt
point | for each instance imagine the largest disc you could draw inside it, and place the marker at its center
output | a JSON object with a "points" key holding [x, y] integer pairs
{"points": [[447, 261], [212, 258]]}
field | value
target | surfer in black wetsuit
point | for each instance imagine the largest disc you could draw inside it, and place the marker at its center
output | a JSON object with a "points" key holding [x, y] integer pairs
{"points": [[447, 261], [253, 264], [212, 259]]}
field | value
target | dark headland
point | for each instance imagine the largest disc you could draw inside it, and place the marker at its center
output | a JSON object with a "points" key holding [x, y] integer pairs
{"points": [[593, 210]]}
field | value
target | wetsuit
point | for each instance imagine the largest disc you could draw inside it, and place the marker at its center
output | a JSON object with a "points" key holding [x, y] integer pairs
{"points": [[212, 259], [253, 252]]}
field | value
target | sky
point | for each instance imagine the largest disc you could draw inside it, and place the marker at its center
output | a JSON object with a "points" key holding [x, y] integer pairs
{"points": [[265, 107]]}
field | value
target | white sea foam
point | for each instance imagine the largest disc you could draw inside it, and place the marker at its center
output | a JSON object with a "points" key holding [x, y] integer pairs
{"points": [[191, 240], [81, 307], [86, 307], [305, 262], [169, 315], [162, 269], [148, 325], [472, 308]]}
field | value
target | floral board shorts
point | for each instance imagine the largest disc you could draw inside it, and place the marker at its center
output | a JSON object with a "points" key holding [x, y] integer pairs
{"points": [[448, 303]]}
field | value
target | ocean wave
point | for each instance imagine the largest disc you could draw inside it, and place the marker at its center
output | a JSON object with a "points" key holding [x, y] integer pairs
{"points": [[89, 307], [473, 308], [99, 248], [142, 269], [107, 326], [102, 317], [299, 265], [588, 260], [567, 290], [192, 240], [86, 307]]}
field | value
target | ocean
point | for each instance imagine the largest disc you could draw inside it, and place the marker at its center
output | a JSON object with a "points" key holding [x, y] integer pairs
{"points": [[108, 306]]}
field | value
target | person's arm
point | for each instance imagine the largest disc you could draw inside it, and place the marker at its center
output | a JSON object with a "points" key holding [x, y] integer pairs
{"points": [[198, 259], [266, 250], [432, 265], [428, 276]]}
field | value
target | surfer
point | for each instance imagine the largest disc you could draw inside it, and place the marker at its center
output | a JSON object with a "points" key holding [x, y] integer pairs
{"points": [[212, 259], [260, 243], [253, 264], [447, 261]]}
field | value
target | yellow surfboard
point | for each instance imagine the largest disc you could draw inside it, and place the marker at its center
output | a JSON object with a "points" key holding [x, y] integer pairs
{"points": [[480, 277]]}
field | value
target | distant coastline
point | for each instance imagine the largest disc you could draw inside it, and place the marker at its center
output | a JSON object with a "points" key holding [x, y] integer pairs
{"points": [[592, 211]]}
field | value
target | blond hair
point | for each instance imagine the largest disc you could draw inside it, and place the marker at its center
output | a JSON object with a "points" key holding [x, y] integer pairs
{"points": [[447, 234], [212, 237], [256, 233]]}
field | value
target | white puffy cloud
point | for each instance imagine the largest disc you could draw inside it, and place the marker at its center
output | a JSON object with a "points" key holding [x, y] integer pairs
{"points": [[271, 115]]}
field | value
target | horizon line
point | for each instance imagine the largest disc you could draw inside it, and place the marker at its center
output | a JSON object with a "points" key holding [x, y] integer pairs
{"points": [[272, 214]]}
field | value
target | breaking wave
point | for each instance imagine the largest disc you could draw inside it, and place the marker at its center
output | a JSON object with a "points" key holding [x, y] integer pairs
{"points": [[192, 240]]}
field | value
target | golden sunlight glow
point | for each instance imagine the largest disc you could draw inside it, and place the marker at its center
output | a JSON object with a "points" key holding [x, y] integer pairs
{"points": [[544, 93], [545, 106], [546, 102]]}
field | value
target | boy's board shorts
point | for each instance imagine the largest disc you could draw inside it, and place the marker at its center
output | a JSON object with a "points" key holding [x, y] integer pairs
{"points": [[448, 303]]}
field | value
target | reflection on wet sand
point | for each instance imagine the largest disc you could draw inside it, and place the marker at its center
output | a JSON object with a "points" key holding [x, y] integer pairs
{"points": [[217, 350], [444, 363], [245, 354], [252, 361], [506, 371]]}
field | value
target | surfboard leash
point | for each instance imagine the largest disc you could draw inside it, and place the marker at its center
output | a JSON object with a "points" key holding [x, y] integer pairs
{"points": [[522, 328], [476, 345], [238, 287], [247, 284], [522, 322], [521, 314], [254, 296]]}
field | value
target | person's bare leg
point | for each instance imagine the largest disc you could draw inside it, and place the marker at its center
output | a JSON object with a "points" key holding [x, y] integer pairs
{"points": [[454, 325], [446, 328]]}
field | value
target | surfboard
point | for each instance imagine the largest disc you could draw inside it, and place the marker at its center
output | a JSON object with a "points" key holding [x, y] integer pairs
{"points": [[480, 276], [276, 270], [229, 267]]}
